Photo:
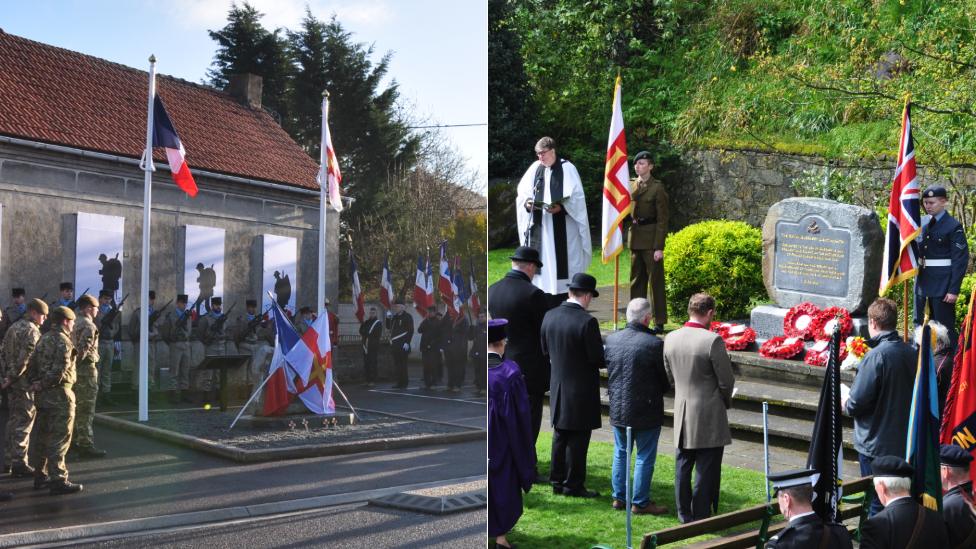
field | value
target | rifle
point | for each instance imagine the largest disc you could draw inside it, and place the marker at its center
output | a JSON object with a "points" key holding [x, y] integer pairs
{"points": [[257, 321], [74, 302], [156, 314], [109, 317], [218, 324]]}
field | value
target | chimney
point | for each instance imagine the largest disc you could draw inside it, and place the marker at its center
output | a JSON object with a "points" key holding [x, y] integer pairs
{"points": [[246, 88]]}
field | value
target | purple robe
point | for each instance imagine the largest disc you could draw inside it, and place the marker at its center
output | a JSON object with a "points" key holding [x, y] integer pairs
{"points": [[511, 453]]}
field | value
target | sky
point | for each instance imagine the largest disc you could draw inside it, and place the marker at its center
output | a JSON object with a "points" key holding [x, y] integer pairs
{"points": [[439, 47]]}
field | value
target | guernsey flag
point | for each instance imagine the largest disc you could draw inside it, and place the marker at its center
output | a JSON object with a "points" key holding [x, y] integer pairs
{"points": [[616, 180]]}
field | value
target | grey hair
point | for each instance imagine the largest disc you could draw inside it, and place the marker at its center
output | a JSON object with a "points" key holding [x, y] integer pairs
{"points": [[941, 335], [894, 485], [544, 144], [637, 309]]}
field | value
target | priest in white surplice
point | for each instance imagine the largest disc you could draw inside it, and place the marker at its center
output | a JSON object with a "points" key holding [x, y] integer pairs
{"points": [[561, 232]]}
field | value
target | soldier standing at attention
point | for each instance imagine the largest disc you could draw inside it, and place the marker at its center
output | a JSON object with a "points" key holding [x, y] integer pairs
{"points": [[370, 330], [400, 324], [212, 332], [648, 228], [430, 341], [176, 332], [84, 337], [13, 312], [67, 299], [52, 375], [246, 336], [944, 259], [154, 338], [109, 327], [18, 346]]}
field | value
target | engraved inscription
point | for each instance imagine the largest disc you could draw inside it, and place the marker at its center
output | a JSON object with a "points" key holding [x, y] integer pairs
{"points": [[811, 257]]}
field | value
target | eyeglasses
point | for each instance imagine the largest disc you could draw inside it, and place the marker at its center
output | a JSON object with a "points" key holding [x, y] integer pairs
{"points": [[542, 153]]}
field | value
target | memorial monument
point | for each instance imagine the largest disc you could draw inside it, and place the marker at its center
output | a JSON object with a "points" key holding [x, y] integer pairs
{"points": [[820, 251]]}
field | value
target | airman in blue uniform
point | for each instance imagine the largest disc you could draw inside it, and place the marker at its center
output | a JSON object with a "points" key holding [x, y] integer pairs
{"points": [[944, 258]]}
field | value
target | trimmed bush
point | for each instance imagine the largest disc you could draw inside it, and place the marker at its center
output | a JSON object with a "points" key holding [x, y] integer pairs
{"points": [[723, 258]]}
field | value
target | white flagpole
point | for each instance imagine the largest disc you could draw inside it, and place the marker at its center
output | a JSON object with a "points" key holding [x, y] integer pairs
{"points": [[144, 281], [323, 191]]}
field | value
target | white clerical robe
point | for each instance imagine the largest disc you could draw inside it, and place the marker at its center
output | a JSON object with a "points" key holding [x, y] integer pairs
{"points": [[578, 247]]}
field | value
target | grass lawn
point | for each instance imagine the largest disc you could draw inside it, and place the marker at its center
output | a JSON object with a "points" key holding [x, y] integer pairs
{"points": [[499, 264], [557, 521]]}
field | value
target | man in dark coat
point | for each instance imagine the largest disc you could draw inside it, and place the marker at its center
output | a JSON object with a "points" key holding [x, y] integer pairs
{"points": [[456, 353], [957, 502], [794, 494], [636, 387], [478, 335], [881, 391], [571, 340], [511, 455], [524, 305], [944, 259], [430, 345], [370, 330], [903, 523], [400, 325]]}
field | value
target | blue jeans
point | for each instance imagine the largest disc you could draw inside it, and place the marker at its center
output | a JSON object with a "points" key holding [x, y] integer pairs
{"points": [[646, 443], [876, 507]]}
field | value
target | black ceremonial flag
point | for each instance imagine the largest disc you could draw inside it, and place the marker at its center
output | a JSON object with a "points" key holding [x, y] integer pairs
{"points": [[826, 442]]}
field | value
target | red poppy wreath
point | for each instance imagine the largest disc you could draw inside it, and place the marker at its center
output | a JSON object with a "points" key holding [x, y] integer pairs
{"points": [[736, 336], [781, 347], [817, 355], [799, 320], [823, 326]]}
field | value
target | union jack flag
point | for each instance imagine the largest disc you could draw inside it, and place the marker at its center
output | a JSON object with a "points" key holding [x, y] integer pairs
{"points": [[904, 216]]}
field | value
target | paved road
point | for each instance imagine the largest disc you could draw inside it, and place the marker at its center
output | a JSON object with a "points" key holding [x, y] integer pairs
{"points": [[143, 477]]}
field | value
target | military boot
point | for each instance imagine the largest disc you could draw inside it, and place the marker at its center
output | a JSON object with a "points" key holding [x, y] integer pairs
{"points": [[21, 470], [64, 487], [41, 481], [90, 452]]}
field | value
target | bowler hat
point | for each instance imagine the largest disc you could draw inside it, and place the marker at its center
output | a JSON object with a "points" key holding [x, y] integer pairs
{"points": [[583, 282], [527, 254], [954, 456]]}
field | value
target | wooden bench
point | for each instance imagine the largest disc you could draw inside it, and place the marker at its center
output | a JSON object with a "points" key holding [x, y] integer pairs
{"points": [[852, 506]]}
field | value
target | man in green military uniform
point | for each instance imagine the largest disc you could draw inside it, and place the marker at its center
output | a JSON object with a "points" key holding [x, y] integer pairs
{"points": [[176, 332], [109, 327], [648, 229], [84, 337], [52, 376], [18, 346]]}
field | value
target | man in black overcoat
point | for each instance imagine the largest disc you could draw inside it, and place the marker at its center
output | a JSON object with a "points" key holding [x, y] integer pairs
{"points": [[524, 305], [571, 340], [903, 523], [794, 494], [957, 501]]}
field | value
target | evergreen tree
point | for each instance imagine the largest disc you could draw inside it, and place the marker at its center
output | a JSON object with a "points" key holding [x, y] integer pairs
{"points": [[370, 137], [245, 46], [511, 113]]}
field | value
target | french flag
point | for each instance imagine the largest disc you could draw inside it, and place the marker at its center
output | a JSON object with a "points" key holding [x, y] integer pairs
{"points": [[386, 285], [444, 283], [429, 291], [164, 135], [474, 305], [357, 292], [457, 286], [420, 288]]}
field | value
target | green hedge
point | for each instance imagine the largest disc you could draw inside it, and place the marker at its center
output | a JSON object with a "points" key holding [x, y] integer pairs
{"points": [[723, 258]]}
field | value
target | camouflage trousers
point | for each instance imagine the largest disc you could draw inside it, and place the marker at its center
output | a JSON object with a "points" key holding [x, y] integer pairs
{"points": [[86, 393], [179, 365], [106, 354], [55, 418], [19, 424]]}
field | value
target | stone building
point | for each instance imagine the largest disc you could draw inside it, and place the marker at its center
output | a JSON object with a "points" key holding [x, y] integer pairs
{"points": [[72, 130]]}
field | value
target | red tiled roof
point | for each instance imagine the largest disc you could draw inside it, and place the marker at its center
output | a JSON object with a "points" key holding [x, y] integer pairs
{"points": [[64, 97]]}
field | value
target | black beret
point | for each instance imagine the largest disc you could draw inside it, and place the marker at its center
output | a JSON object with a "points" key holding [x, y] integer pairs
{"points": [[935, 191], [216, 301], [497, 330], [643, 155], [67, 286], [891, 466], [251, 303], [954, 456], [17, 292]]}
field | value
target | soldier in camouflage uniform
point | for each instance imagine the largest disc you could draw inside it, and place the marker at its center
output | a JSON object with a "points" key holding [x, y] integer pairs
{"points": [[13, 312], [108, 329], [18, 346], [213, 335], [84, 337], [175, 330], [52, 376]]}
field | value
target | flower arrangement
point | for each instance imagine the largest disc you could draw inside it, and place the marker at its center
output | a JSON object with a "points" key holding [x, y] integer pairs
{"points": [[822, 326], [817, 355], [799, 320], [781, 347], [736, 336], [858, 348]]}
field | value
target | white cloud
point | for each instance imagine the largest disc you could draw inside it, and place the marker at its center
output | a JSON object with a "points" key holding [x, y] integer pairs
{"points": [[212, 14]]}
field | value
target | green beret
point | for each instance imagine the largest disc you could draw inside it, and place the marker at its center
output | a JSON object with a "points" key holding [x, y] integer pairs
{"points": [[87, 300], [63, 312], [38, 306]]}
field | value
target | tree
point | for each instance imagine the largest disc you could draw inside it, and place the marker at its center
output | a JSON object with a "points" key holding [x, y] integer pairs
{"points": [[511, 110], [368, 132], [245, 46]]}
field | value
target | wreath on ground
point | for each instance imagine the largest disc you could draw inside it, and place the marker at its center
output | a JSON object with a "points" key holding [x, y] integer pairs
{"points": [[823, 326], [799, 320], [735, 336], [817, 355], [781, 347]]}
